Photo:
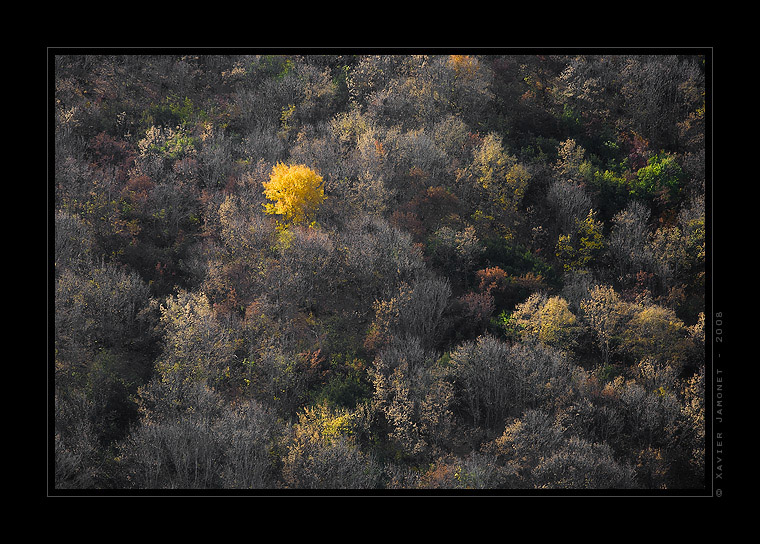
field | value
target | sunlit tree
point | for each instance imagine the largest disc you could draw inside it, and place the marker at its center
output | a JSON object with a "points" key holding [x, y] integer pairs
{"points": [[579, 249], [322, 452], [295, 192], [655, 331], [547, 320], [603, 311], [197, 347]]}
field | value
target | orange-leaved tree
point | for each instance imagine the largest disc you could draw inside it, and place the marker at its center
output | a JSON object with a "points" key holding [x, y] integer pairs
{"points": [[295, 192]]}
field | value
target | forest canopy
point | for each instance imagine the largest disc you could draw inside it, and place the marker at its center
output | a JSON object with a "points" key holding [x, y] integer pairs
{"points": [[390, 272]]}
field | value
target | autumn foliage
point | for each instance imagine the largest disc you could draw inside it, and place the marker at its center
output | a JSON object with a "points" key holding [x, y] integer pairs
{"points": [[353, 271], [295, 192]]}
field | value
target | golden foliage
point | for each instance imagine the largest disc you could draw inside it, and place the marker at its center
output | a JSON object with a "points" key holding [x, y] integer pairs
{"points": [[295, 191], [547, 320]]}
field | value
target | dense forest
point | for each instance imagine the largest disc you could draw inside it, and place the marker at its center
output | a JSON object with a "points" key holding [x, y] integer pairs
{"points": [[290, 272]]}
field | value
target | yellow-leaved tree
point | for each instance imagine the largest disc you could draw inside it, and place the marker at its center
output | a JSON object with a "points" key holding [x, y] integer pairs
{"points": [[295, 191]]}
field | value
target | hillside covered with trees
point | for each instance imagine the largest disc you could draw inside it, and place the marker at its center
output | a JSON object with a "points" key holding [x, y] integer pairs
{"points": [[380, 272]]}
